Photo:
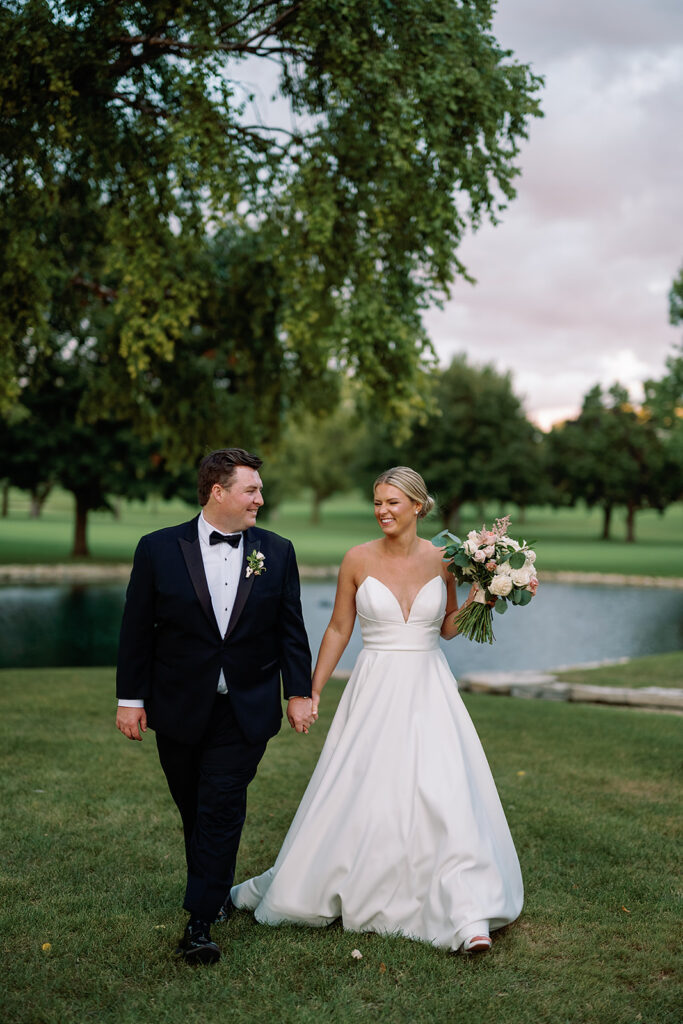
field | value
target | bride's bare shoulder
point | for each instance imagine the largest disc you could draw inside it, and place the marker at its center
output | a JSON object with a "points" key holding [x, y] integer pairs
{"points": [[356, 558], [432, 555]]}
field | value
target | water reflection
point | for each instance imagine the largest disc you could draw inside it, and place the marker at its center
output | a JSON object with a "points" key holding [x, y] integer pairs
{"points": [[43, 626]]}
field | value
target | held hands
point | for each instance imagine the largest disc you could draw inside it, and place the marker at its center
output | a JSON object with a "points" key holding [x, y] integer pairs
{"points": [[301, 714], [131, 722]]}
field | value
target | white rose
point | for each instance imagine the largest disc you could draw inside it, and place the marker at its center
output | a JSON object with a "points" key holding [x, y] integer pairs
{"points": [[503, 570], [500, 586], [479, 556], [470, 547], [530, 556], [490, 550], [521, 577], [474, 537]]}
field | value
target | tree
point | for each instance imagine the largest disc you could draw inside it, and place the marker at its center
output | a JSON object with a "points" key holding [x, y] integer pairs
{"points": [[320, 453], [50, 445], [477, 446], [128, 140], [610, 456], [664, 398]]}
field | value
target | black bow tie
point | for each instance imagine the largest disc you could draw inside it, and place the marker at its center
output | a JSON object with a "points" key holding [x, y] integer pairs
{"points": [[233, 539]]}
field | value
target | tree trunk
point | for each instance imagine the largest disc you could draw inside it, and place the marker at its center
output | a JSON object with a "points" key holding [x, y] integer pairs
{"points": [[80, 549], [453, 516], [5, 499], [606, 522], [39, 495], [631, 510], [315, 509]]}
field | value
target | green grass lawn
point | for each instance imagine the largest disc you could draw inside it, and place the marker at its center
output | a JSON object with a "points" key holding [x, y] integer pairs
{"points": [[653, 670], [567, 539], [92, 865]]}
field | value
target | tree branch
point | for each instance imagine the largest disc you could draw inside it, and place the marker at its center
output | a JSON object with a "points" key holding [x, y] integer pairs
{"points": [[144, 106], [102, 291], [222, 29]]}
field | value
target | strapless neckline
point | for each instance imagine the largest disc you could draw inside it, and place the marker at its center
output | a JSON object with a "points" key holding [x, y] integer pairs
{"points": [[398, 603]]}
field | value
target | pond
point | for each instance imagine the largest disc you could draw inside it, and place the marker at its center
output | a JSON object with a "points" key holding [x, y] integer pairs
{"points": [[567, 624]]}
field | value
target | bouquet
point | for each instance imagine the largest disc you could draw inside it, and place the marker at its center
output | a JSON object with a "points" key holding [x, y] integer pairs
{"points": [[502, 569]]}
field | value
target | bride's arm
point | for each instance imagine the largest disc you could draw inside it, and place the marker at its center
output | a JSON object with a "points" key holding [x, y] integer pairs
{"points": [[340, 627], [448, 626]]}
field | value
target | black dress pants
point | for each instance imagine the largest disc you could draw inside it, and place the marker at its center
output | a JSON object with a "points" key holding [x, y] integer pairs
{"points": [[208, 781]]}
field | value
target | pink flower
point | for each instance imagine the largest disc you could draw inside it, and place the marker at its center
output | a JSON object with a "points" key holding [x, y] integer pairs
{"points": [[479, 556], [533, 584], [491, 566], [488, 537]]}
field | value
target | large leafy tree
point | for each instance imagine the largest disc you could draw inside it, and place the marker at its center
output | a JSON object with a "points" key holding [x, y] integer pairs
{"points": [[319, 454], [476, 446], [128, 136], [664, 397], [47, 444], [610, 456]]}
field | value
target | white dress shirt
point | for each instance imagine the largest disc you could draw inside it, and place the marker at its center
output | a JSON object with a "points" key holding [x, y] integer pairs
{"points": [[222, 566]]}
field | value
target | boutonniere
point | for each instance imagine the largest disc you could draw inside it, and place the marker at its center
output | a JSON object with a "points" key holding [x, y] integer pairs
{"points": [[256, 563]]}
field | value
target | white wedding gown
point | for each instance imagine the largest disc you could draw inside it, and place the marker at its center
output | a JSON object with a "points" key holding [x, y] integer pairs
{"points": [[400, 830]]}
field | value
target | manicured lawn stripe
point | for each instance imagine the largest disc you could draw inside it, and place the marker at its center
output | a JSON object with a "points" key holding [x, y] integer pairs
{"points": [[567, 539], [653, 670]]}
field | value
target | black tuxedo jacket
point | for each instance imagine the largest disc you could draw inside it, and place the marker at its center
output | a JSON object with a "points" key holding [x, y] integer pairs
{"points": [[171, 651]]}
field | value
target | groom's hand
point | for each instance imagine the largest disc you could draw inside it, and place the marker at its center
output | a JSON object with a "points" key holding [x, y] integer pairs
{"points": [[299, 714], [131, 722]]}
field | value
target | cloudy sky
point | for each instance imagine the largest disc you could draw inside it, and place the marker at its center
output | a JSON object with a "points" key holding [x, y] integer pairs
{"points": [[572, 285]]}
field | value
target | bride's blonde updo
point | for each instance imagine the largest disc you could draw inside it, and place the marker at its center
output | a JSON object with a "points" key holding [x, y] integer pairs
{"points": [[411, 483]]}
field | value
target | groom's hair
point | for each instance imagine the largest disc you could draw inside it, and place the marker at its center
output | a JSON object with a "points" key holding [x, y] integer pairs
{"points": [[219, 468]]}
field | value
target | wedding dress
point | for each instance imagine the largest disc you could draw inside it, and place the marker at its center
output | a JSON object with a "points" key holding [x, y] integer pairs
{"points": [[400, 830]]}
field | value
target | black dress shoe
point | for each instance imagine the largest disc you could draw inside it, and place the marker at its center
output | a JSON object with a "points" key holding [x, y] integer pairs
{"points": [[196, 946], [225, 911]]}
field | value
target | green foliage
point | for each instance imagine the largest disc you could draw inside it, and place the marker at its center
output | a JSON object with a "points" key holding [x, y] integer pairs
{"points": [[664, 404], [476, 446], [676, 300], [611, 455], [128, 142], [48, 443], [318, 454]]}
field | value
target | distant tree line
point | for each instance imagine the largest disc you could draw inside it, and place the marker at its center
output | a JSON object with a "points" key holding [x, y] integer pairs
{"points": [[474, 444]]}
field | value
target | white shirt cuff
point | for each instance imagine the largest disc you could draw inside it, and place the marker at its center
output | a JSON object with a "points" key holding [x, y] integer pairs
{"points": [[131, 703]]}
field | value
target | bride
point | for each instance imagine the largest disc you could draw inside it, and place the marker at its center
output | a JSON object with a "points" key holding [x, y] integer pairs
{"points": [[400, 830]]}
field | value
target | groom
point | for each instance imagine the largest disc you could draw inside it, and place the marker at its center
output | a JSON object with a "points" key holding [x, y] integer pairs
{"points": [[212, 620]]}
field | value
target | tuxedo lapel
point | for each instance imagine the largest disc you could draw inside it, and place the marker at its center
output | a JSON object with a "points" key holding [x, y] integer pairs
{"points": [[195, 566], [245, 584]]}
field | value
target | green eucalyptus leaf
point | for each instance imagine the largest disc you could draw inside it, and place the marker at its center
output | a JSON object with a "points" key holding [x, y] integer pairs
{"points": [[500, 606], [524, 597], [517, 559], [461, 559]]}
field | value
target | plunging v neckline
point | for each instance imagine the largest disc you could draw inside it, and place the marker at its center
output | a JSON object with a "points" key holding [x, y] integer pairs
{"points": [[400, 607]]}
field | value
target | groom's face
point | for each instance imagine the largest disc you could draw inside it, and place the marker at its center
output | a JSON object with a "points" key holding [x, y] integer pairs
{"points": [[240, 501]]}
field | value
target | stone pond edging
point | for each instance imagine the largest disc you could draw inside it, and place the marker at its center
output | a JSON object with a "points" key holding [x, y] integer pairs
{"points": [[547, 686]]}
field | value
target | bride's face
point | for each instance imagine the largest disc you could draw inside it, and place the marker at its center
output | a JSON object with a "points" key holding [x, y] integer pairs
{"points": [[394, 510]]}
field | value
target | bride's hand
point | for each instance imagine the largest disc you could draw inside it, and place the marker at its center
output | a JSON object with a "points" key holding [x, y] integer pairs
{"points": [[314, 705], [473, 591]]}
